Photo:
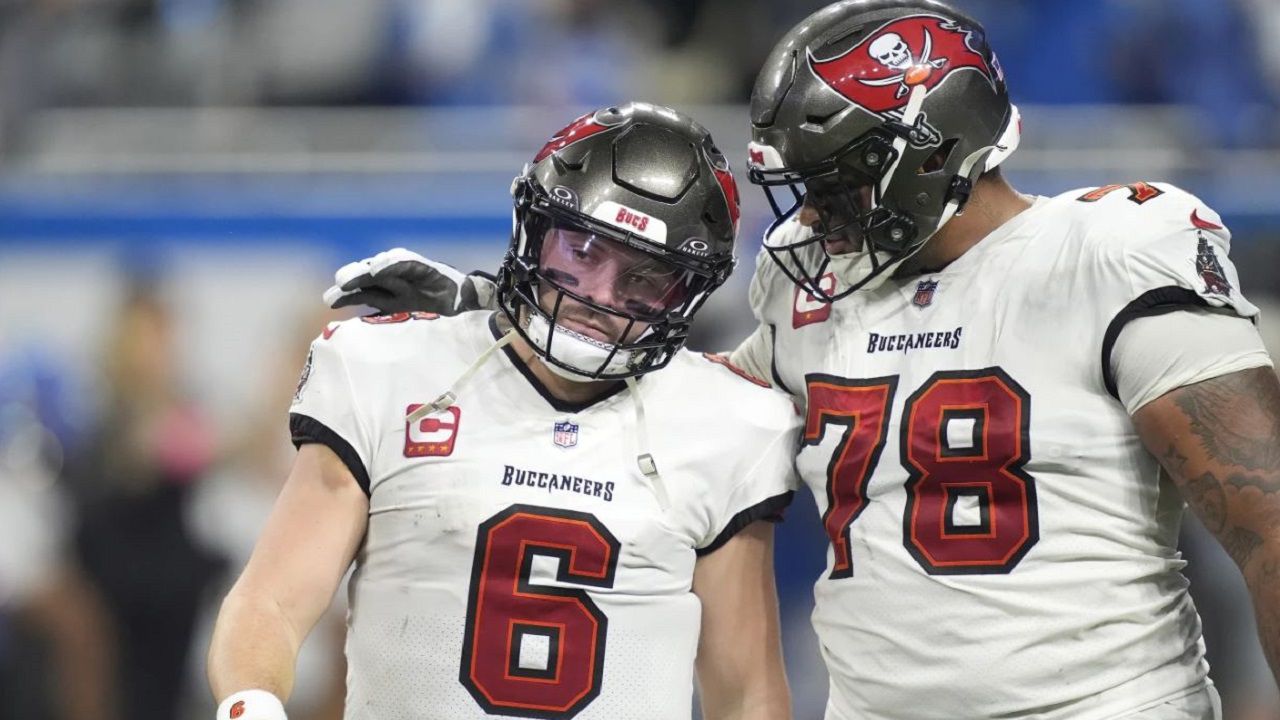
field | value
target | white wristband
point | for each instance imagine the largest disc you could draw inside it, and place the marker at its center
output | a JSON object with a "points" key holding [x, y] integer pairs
{"points": [[252, 705]]}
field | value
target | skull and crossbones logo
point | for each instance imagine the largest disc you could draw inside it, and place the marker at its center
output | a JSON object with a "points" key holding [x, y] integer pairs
{"points": [[891, 51]]}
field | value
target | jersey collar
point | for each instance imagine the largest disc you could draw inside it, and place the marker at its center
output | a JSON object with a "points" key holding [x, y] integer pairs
{"points": [[555, 402]]}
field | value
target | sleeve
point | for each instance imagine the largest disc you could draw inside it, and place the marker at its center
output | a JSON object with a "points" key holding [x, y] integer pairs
{"points": [[755, 354], [763, 492], [1153, 355], [324, 410], [1175, 260]]}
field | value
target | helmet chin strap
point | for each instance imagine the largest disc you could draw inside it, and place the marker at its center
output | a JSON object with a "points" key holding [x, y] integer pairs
{"points": [[580, 351], [953, 205], [915, 103], [448, 397]]}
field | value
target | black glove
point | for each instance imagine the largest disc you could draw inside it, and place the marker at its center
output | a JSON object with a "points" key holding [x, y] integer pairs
{"points": [[400, 280]]}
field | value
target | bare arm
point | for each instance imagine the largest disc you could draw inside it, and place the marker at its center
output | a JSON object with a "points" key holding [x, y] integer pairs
{"points": [[1220, 442], [311, 538], [739, 665]]}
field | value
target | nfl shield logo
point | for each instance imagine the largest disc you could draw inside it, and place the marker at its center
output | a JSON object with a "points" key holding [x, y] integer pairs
{"points": [[565, 435], [924, 293]]}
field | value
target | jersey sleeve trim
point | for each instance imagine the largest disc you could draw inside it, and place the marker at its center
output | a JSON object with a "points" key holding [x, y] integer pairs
{"points": [[304, 429], [1152, 302], [769, 509], [773, 360]]}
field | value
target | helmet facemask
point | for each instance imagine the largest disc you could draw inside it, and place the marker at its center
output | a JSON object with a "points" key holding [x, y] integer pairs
{"points": [[884, 115], [850, 231], [596, 302]]}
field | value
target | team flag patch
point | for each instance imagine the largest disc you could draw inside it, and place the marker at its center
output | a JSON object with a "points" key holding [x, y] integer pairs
{"points": [[1215, 280]]}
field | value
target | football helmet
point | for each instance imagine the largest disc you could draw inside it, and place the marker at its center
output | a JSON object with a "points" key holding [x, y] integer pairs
{"points": [[623, 224], [878, 115]]}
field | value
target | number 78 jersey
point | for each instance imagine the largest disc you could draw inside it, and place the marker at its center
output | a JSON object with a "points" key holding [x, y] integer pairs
{"points": [[1001, 544]]}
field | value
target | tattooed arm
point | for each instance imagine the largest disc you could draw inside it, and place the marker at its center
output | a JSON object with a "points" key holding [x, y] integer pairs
{"points": [[1219, 440]]}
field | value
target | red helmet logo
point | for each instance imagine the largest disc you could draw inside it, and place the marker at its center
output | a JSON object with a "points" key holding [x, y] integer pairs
{"points": [[880, 71], [583, 127], [729, 187]]}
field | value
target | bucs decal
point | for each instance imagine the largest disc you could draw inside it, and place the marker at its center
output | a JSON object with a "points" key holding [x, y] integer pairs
{"points": [[433, 435], [879, 72]]}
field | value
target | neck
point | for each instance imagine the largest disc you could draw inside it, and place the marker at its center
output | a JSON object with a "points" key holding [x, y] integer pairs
{"points": [[561, 388], [994, 202]]}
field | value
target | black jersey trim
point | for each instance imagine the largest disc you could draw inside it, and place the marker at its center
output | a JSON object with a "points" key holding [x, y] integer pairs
{"points": [[304, 429], [1152, 302], [773, 359], [555, 402], [769, 509]]}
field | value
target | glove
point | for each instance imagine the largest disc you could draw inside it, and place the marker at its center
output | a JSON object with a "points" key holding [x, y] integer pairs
{"points": [[252, 705], [400, 280]]}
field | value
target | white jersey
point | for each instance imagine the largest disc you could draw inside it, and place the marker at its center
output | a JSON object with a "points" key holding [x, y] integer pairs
{"points": [[1001, 543], [517, 562]]}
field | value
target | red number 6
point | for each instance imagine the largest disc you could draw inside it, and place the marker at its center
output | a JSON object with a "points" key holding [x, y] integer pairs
{"points": [[504, 609]]}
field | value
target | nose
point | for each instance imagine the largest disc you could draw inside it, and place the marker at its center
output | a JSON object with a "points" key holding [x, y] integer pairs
{"points": [[601, 286], [808, 214], [597, 285]]}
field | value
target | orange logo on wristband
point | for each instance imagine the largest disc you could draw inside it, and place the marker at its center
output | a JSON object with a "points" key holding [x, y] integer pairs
{"points": [[237, 710]]}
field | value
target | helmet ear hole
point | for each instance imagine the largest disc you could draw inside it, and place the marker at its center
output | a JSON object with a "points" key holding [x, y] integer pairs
{"points": [[938, 160]]}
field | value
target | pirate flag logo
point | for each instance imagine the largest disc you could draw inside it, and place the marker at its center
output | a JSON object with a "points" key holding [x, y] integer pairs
{"points": [[1215, 280], [879, 72], [306, 372]]}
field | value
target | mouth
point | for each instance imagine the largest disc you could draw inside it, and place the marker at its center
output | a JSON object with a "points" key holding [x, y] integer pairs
{"points": [[588, 328], [839, 245], [843, 241]]}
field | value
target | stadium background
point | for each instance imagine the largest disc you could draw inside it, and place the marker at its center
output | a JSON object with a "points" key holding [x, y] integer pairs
{"points": [[178, 179]]}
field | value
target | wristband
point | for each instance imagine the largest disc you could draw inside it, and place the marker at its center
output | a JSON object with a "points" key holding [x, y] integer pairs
{"points": [[251, 705]]}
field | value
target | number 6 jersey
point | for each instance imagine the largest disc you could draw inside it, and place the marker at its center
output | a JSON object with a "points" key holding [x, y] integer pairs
{"points": [[517, 562], [1001, 544]]}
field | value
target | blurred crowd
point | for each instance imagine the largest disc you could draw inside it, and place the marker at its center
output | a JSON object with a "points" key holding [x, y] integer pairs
{"points": [[1214, 54], [126, 510], [124, 516]]}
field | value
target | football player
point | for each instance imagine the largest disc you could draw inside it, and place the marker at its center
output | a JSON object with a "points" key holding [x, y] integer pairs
{"points": [[1009, 399], [553, 510], [1008, 410]]}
